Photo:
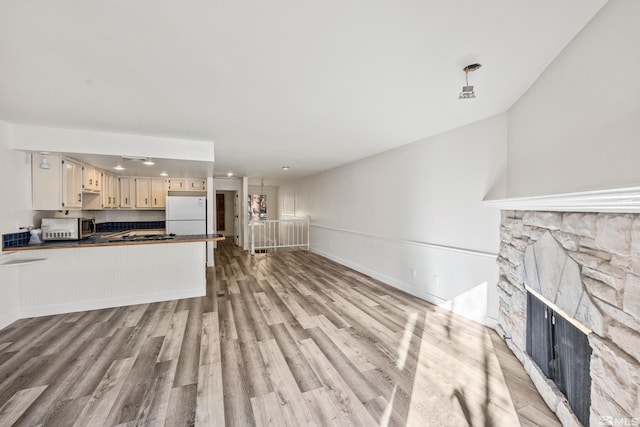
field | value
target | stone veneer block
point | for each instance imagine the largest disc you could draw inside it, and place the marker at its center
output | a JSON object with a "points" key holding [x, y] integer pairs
{"points": [[631, 303], [586, 259], [614, 281], [613, 372], [618, 315], [580, 224], [635, 237], [550, 261], [627, 339], [544, 386], [568, 295], [589, 315], [613, 233], [530, 269], [566, 416], [548, 220], [568, 241], [601, 291]]}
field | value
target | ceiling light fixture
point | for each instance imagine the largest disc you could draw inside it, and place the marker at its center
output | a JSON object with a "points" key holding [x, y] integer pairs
{"points": [[118, 167], [229, 174], [44, 162], [285, 168], [163, 173], [148, 162], [467, 91]]}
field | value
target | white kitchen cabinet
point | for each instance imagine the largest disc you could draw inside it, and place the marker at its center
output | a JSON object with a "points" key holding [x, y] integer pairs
{"points": [[158, 193], [184, 184], [176, 184], [91, 179], [196, 185], [143, 192], [127, 192], [151, 193], [57, 188], [110, 190]]}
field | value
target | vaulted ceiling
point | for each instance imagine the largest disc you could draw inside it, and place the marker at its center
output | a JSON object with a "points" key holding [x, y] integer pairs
{"points": [[310, 85]]}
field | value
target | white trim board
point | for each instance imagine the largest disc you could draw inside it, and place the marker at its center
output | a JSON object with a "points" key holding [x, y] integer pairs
{"points": [[410, 242], [622, 200], [49, 310]]}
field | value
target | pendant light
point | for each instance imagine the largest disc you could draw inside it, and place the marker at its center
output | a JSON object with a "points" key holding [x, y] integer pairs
{"points": [[467, 90]]}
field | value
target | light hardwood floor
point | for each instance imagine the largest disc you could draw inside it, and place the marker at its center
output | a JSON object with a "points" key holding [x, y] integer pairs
{"points": [[287, 339]]}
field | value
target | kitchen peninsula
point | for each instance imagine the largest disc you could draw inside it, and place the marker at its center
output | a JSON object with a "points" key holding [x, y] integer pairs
{"points": [[103, 271]]}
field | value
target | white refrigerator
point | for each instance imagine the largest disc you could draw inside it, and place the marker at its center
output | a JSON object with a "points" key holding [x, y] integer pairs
{"points": [[186, 215]]}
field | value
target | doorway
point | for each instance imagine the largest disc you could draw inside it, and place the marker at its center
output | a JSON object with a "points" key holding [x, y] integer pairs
{"points": [[227, 214]]}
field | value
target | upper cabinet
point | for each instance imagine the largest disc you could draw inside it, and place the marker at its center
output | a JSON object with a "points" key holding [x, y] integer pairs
{"points": [[59, 187], [110, 191], [176, 184], [127, 192], [158, 193], [91, 180], [186, 184], [69, 184], [196, 185]]}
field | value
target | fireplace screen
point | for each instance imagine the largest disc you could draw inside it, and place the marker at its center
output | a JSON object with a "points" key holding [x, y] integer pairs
{"points": [[562, 352]]}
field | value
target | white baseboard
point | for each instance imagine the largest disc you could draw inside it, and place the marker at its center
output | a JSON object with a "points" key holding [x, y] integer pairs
{"points": [[433, 299], [107, 303]]}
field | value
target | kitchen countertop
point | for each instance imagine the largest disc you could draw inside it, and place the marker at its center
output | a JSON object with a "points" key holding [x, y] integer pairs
{"points": [[107, 239]]}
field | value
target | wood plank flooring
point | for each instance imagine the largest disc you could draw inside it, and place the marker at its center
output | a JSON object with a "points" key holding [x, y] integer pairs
{"points": [[286, 339]]}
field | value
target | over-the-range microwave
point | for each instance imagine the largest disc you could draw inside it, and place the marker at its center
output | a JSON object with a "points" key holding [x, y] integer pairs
{"points": [[67, 228]]}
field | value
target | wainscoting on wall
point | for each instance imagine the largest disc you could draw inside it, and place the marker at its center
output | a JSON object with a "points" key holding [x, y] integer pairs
{"points": [[461, 280]]}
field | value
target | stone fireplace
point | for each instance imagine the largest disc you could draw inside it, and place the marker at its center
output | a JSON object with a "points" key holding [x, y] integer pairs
{"points": [[586, 266]]}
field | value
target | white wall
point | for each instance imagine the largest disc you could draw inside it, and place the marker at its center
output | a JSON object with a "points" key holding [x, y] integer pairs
{"points": [[62, 140], [577, 127], [272, 199], [15, 212], [15, 191], [413, 217]]}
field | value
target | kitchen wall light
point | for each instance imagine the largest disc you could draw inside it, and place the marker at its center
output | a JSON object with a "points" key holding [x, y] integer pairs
{"points": [[44, 162], [118, 167], [163, 173], [148, 162], [285, 168], [229, 174]]}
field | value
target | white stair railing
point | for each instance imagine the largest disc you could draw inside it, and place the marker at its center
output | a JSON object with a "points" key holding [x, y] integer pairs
{"points": [[280, 233]]}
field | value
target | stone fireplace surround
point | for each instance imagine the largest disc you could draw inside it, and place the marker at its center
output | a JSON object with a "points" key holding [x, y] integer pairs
{"points": [[588, 265]]}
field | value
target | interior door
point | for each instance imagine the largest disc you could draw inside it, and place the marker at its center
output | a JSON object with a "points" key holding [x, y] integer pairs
{"points": [[236, 219], [220, 225]]}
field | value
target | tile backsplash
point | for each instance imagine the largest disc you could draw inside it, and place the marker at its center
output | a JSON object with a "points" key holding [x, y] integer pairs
{"points": [[13, 240], [104, 227]]}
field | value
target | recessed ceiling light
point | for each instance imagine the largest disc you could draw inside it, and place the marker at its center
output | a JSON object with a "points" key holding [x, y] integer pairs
{"points": [[118, 167], [163, 173], [285, 168], [148, 162], [229, 174]]}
